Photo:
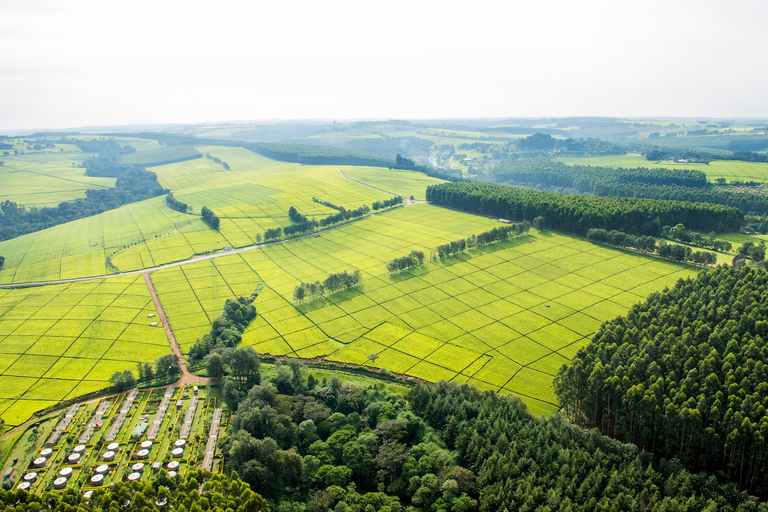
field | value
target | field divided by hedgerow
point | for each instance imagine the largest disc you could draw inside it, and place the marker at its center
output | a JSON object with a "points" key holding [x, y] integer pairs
{"points": [[62, 341], [504, 317], [253, 196], [46, 179], [728, 169]]}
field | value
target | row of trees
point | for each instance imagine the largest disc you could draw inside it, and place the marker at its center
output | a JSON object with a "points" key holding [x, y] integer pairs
{"points": [[329, 204], [648, 244], [747, 203], [577, 213], [217, 160], [550, 173], [166, 367], [684, 375], [331, 284], [681, 234], [498, 234], [175, 204], [2, 261], [226, 330], [311, 225], [295, 216], [667, 184], [386, 203], [211, 218], [414, 259]]}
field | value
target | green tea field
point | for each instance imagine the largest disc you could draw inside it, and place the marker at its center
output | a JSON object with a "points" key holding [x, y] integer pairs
{"points": [[62, 341], [253, 196], [503, 318], [46, 179]]}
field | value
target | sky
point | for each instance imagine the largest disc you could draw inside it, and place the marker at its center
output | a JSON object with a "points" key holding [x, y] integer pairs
{"points": [[94, 63]]}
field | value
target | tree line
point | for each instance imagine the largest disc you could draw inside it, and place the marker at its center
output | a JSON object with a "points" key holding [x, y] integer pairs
{"points": [[661, 183], [329, 204], [211, 218], [175, 204], [583, 178], [386, 203], [684, 375], [414, 259], [498, 234], [295, 216], [648, 244], [331, 284], [686, 236], [226, 330], [166, 367], [133, 184], [217, 160], [577, 213], [312, 224]]}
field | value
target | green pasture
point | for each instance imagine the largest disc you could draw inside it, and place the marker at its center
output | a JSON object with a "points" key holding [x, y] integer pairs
{"points": [[46, 179], [504, 318], [728, 169], [61, 341]]}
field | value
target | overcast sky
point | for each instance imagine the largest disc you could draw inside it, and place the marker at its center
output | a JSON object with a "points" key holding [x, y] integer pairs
{"points": [[79, 63]]}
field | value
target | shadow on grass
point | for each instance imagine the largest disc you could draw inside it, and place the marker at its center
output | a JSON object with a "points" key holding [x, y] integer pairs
{"points": [[309, 305]]}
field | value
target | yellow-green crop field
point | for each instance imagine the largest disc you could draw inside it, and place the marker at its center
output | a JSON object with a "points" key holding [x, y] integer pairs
{"points": [[504, 318], [46, 179], [62, 341], [253, 196], [728, 169]]}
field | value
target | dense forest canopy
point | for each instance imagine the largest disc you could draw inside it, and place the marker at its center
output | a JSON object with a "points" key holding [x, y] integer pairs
{"points": [[577, 213], [684, 375], [667, 184], [331, 445]]}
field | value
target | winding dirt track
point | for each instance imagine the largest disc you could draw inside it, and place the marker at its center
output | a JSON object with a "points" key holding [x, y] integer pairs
{"points": [[187, 377]]}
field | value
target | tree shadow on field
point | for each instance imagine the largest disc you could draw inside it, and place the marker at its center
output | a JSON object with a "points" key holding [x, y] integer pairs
{"points": [[397, 277], [307, 306], [310, 305], [508, 244]]}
